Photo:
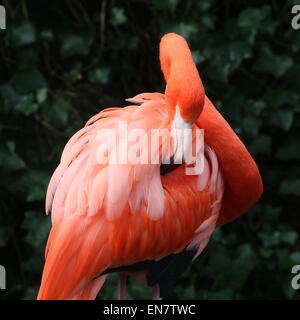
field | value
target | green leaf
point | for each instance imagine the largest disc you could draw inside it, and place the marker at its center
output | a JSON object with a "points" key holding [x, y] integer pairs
{"points": [[56, 112], [290, 186], [252, 17], [258, 106], [204, 4], [282, 119], [47, 35], [262, 144], [252, 125], [278, 98], [9, 160], [196, 56], [270, 239], [286, 119], [285, 282], [293, 39], [289, 236], [22, 34], [8, 92], [28, 78], [288, 151], [239, 50], [228, 59], [295, 256], [244, 262], [99, 75], [26, 104], [75, 44], [222, 294], [266, 253], [277, 65], [292, 2], [33, 183], [118, 16], [166, 5], [37, 193], [9, 97], [37, 226], [41, 95], [186, 30], [208, 21], [271, 213], [285, 261]]}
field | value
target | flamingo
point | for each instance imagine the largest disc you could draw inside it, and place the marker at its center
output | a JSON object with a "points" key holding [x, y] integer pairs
{"points": [[149, 221]]}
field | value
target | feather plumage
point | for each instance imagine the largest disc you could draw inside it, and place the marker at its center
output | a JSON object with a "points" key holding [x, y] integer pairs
{"points": [[117, 216]]}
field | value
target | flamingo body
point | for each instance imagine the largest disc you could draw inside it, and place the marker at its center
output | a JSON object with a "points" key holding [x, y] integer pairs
{"points": [[108, 216]]}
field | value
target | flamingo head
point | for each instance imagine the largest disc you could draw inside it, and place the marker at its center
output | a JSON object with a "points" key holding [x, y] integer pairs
{"points": [[184, 90]]}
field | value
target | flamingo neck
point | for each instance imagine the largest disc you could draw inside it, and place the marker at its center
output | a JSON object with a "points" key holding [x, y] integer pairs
{"points": [[243, 184], [184, 87]]}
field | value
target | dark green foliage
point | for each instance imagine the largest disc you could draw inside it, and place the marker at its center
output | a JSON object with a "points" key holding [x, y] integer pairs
{"points": [[60, 61]]}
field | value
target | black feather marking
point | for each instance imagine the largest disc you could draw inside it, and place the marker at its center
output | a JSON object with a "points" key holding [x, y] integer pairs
{"points": [[101, 116], [139, 266], [164, 272], [168, 167]]}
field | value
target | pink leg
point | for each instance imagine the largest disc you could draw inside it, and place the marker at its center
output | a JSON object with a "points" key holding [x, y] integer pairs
{"points": [[122, 286], [155, 293]]}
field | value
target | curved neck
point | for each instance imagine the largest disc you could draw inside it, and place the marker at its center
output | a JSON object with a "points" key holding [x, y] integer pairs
{"points": [[243, 184], [184, 87]]}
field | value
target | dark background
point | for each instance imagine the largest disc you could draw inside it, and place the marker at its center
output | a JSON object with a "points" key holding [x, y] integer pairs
{"points": [[63, 61]]}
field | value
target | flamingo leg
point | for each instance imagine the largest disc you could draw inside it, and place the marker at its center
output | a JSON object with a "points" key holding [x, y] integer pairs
{"points": [[122, 286], [155, 292]]}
